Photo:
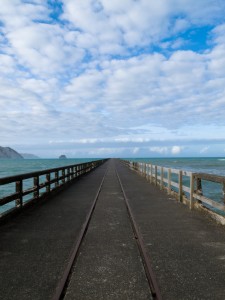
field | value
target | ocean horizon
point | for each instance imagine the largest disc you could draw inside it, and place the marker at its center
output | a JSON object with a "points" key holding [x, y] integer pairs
{"points": [[211, 165]]}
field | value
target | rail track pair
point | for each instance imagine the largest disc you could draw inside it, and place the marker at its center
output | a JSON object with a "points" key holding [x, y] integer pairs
{"points": [[64, 282]]}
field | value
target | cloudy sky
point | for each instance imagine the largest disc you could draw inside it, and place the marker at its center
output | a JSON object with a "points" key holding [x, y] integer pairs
{"points": [[121, 78]]}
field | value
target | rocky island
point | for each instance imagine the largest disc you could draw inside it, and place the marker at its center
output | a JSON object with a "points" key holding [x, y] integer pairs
{"points": [[63, 156]]}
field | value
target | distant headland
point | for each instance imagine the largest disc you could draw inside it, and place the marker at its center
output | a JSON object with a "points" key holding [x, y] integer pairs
{"points": [[7, 152], [29, 156]]}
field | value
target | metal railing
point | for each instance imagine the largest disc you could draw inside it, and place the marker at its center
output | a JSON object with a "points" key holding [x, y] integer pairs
{"points": [[36, 185], [184, 185]]}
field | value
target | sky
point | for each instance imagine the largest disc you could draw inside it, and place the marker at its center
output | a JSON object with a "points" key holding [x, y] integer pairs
{"points": [[121, 78]]}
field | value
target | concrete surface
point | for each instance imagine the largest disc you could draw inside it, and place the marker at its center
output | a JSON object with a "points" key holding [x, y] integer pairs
{"points": [[35, 246], [109, 265], [186, 247]]}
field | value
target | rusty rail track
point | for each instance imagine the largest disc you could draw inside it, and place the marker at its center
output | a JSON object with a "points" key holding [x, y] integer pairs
{"points": [[144, 255], [64, 282]]}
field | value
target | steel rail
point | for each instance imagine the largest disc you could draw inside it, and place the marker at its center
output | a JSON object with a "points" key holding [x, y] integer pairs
{"points": [[63, 283], [144, 255]]}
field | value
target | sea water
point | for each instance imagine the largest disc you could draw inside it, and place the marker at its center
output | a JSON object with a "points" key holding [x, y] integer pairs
{"points": [[10, 167]]}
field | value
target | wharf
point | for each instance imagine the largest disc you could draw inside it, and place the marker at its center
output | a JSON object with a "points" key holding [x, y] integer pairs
{"points": [[186, 248]]}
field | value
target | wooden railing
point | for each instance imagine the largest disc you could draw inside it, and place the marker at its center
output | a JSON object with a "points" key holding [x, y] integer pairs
{"points": [[36, 185], [185, 185]]}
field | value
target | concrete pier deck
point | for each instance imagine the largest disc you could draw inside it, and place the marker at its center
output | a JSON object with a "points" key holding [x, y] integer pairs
{"points": [[186, 248]]}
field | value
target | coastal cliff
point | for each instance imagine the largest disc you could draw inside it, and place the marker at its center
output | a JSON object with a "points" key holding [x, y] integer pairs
{"points": [[7, 152]]}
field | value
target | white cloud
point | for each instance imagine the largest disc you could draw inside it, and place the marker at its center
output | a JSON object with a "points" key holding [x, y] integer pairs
{"points": [[135, 23], [136, 150], [204, 150], [161, 150], [176, 149], [7, 64], [96, 74], [42, 48]]}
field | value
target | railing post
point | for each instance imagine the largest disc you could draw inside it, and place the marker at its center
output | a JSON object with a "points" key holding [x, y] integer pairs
{"points": [[78, 170], [169, 181], [151, 170], [36, 185], [57, 179], [135, 166], [75, 171], [161, 182], [224, 192], [191, 190], [48, 183], [19, 190], [198, 186], [148, 172], [180, 186], [156, 175], [68, 174], [63, 176]]}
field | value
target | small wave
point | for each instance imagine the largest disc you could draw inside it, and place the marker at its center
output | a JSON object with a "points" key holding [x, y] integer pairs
{"points": [[221, 158]]}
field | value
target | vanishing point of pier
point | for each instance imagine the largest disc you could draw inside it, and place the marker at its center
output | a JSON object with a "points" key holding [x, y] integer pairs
{"points": [[109, 234]]}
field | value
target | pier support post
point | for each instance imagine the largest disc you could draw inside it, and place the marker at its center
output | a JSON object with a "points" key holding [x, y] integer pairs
{"points": [[191, 190], [144, 170], [57, 179], [151, 171], [36, 185], [156, 175], [63, 176], [19, 190], [223, 192], [180, 186], [161, 182], [198, 186], [169, 181], [48, 183], [148, 178]]}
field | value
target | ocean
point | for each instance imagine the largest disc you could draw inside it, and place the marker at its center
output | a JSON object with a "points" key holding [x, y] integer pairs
{"points": [[10, 167], [211, 165]]}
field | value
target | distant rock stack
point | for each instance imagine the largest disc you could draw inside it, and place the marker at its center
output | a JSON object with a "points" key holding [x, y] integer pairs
{"points": [[7, 152], [63, 156]]}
